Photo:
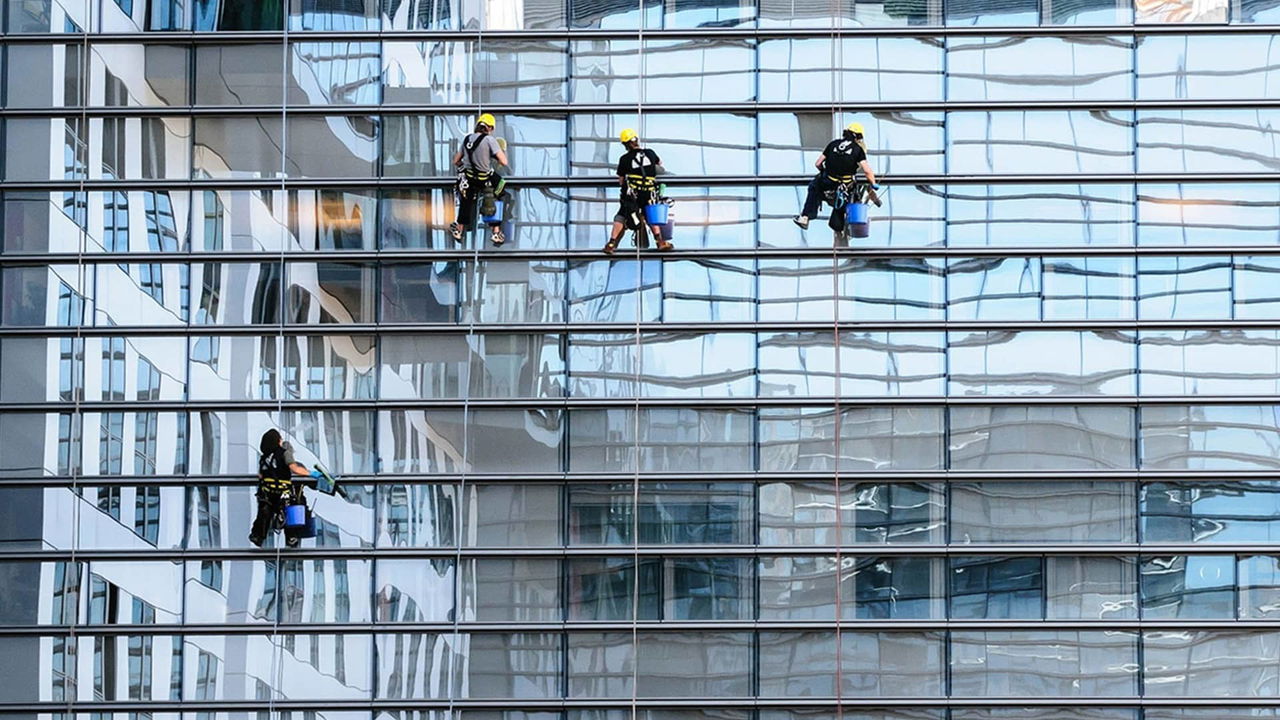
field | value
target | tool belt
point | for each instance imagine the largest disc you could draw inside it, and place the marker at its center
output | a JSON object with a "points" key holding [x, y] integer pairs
{"points": [[841, 179], [276, 485], [641, 182]]}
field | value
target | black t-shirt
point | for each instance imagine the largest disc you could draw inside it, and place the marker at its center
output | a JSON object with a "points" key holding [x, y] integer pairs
{"points": [[275, 464], [641, 161], [842, 157]]}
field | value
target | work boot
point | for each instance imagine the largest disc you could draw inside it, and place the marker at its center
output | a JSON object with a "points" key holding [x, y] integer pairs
{"points": [[611, 246], [665, 245], [293, 541], [455, 231], [256, 540], [801, 221], [488, 204], [496, 235]]}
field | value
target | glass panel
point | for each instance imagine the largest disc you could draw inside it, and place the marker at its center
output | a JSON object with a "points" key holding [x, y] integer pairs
{"points": [[896, 588], [605, 589], [421, 292], [247, 74], [417, 515], [1177, 66], [1258, 578], [876, 364], [238, 15], [508, 665], [1189, 586], [871, 439], [1208, 214], [415, 665], [148, 148], [1064, 663], [238, 147], [985, 12], [1204, 141], [1042, 512], [114, 77], [1039, 215], [693, 664], [707, 290], [418, 590], [46, 148], [671, 440], [875, 13], [329, 293], [1096, 288], [446, 440], [797, 665], [1184, 288], [797, 588], [334, 17], [1207, 437], [1210, 362], [1045, 142], [511, 515], [511, 590], [879, 664], [664, 369], [1180, 663], [1074, 363], [1039, 68], [1242, 511], [994, 288], [997, 587], [36, 222], [333, 73], [1047, 714], [336, 146], [601, 665], [1042, 437], [1090, 588], [708, 589], [1254, 288], [345, 660], [883, 69], [516, 291], [333, 219]]}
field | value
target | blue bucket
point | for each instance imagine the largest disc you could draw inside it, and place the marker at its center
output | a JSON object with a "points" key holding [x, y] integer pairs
{"points": [[856, 214], [295, 516], [496, 217], [656, 213]]}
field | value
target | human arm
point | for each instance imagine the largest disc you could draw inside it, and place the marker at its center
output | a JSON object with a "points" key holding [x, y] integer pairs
{"points": [[866, 168], [822, 159], [499, 150], [457, 158]]}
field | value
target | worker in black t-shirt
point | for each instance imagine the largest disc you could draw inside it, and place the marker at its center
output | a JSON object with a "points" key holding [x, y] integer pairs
{"points": [[837, 165], [278, 485], [638, 169]]}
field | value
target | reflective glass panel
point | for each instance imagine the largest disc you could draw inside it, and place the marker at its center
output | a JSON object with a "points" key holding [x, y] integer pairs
{"points": [[1039, 68], [1209, 437], [1188, 586], [1040, 142], [1030, 663], [1042, 512], [1041, 363], [1042, 437], [1217, 663], [1241, 511]]}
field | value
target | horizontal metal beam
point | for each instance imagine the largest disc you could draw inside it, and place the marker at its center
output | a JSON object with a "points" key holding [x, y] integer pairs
{"points": [[644, 328], [561, 109], [849, 552], [655, 626], [611, 183], [654, 34], [743, 404], [847, 255]]}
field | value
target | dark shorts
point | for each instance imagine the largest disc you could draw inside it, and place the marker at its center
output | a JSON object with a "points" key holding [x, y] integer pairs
{"points": [[631, 208]]}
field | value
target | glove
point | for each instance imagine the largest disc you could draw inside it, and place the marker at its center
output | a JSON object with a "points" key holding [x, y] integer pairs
{"points": [[875, 186], [317, 474]]}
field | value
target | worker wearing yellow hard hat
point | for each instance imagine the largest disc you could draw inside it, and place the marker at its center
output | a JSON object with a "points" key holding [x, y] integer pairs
{"points": [[838, 165], [478, 180], [638, 169]]}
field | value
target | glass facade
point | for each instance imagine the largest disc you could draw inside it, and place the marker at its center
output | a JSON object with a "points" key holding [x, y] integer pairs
{"points": [[760, 478]]}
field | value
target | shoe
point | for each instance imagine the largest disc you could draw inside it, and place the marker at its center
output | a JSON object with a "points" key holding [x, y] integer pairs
{"points": [[665, 245], [293, 541], [455, 231], [610, 246], [257, 541], [496, 236], [801, 221]]}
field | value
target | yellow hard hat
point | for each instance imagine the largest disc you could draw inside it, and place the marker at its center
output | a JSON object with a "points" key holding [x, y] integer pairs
{"points": [[628, 135], [856, 128], [487, 119]]}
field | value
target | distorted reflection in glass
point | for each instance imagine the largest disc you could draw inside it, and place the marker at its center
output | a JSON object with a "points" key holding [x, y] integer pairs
{"points": [[1209, 362], [1042, 437], [608, 366], [1216, 663], [1208, 214], [1242, 511], [1034, 215], [1089, 288], [805, 364], [1217, 141], [510, 590], [1210, 437], [1253, 288], [1188, 586], [883, 69], [1042, 512], [1041, 142], [986, 587], [802, 439], [1039, 68], [1044, 663], [1041, 363]]}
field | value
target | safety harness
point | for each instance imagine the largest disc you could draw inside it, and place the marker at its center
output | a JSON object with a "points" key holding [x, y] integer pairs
{"points": [[469, 145], [273, 474], [639, 180]]}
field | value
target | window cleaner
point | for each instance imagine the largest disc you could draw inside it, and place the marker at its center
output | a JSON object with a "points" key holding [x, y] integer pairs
{"points": [[478, 181], [281, 502], [837, 167], [642, 206]]}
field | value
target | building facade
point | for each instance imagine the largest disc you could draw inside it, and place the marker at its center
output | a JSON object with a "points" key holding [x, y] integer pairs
{"points": [[1012, 457]]}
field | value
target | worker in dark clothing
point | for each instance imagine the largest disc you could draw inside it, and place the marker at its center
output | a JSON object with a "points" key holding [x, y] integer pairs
{"points": [[478, 180], [638, 169], [837, 165], [278, 485]]}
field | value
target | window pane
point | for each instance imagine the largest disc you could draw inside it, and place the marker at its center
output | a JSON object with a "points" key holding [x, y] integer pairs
{"points": [[511, 515], [1188, 586], [872, 439], [1210, 362], [693, 664], [608, 367], [1211, 663], [1069, 663], [1208, 214], [1039, 68], [797, 664], [417, 293], [1176, 66], [1258, 578], [508, 665], [605, 589], [333, 17], [994, 288], [1090, 588], [1184, 288], [896, 588], [797, 588], [601, 665], [419, 590], [447, 441], [1041, 142], [327, 293], [334, 219], [876, 364], [335, 146], [1042, 437], [1207, 437], [1242, 511], [334, 73], [417, 515], [1042, 512], [671, 440], [1065, 363], [898, 142], [1207, 141], [1048, 215], [239, 74], [1096, 288], [238, 147], [1254, 286], [879, 664], [883, 69], [511, 590], [997, 587]]}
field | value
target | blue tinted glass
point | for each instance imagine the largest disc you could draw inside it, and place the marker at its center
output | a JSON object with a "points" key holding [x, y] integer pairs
{"points": [[1039, 68], [1184, 288], [997, 587], [1092, 288], [1040, 142], [1188, 586], [1050, 215], [1255, 294], [993, 288], [1232, 512]]}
